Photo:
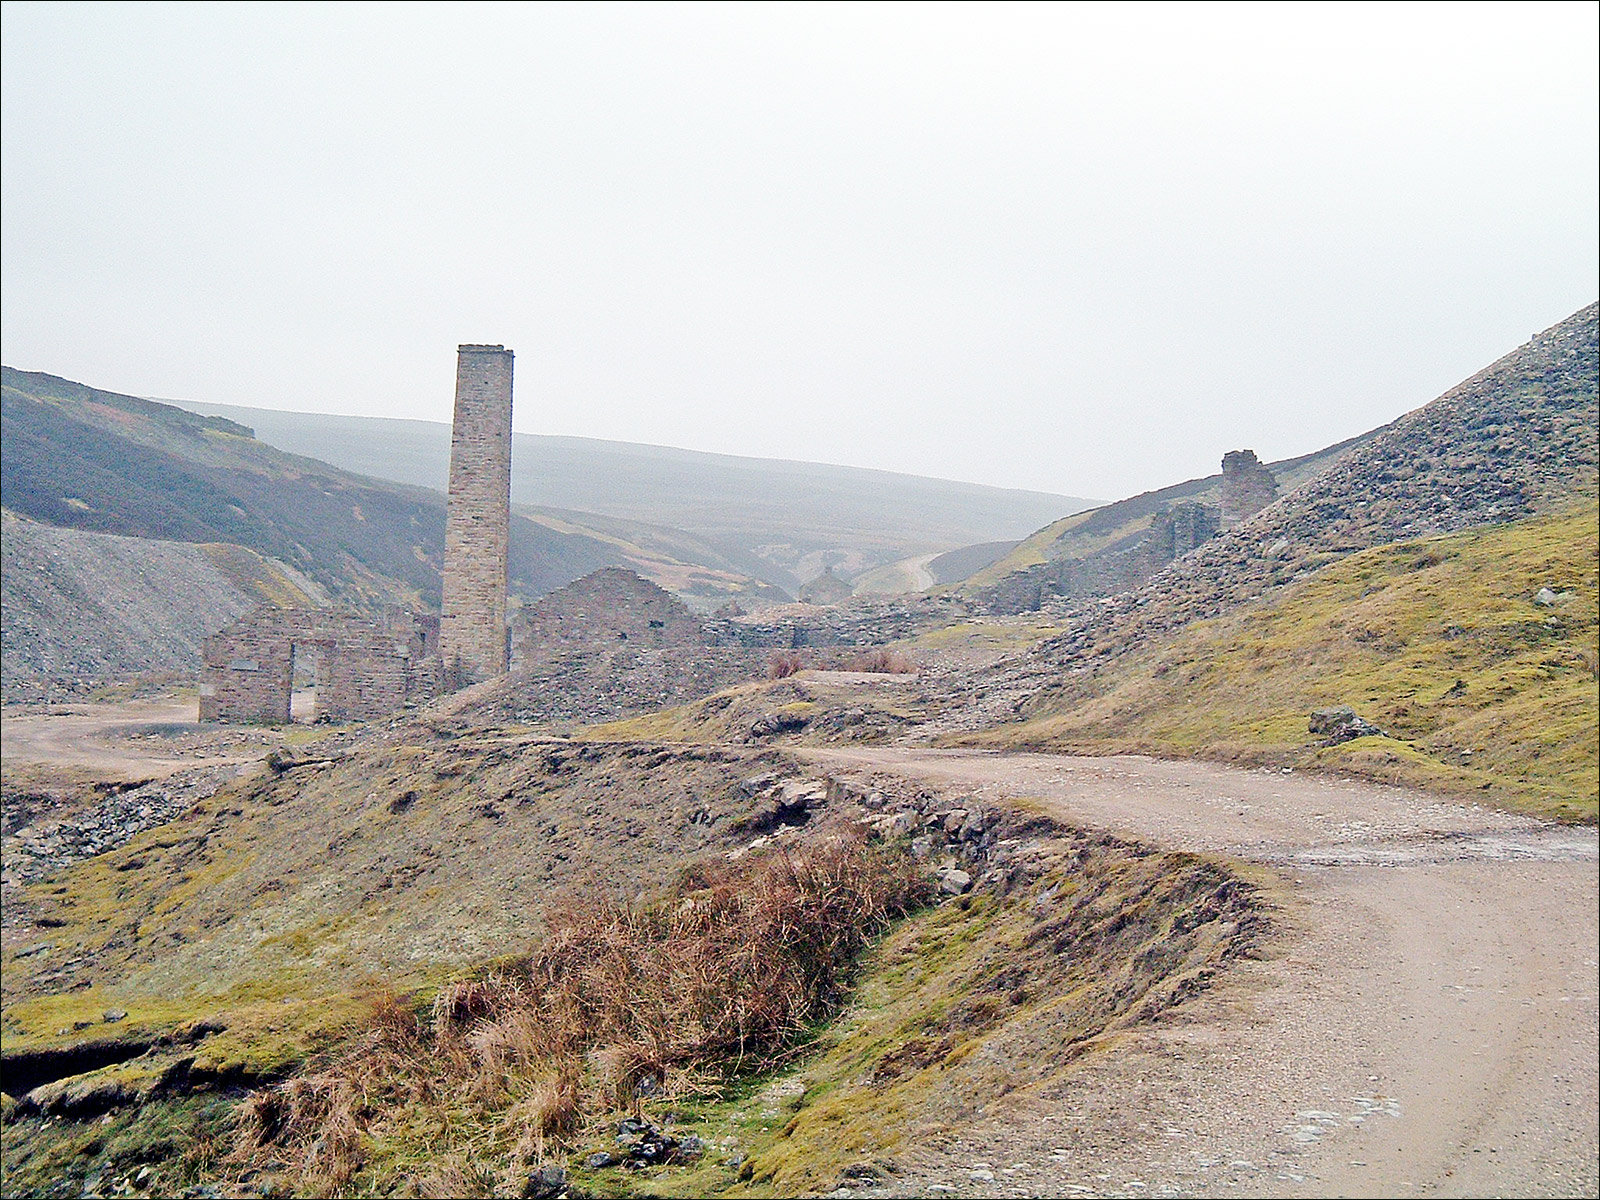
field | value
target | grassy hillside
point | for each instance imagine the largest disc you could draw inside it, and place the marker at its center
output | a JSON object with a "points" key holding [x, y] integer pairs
{"points": [[1439, 642], [82, 458], [787, 514]]}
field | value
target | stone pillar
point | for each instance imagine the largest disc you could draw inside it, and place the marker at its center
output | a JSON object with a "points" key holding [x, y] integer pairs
{"points": [[1247, 486], [472, 622]]}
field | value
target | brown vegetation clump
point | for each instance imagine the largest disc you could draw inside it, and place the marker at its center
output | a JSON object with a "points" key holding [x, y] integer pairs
{"points": [[882, 662], [783, 663], [618, 1001]]}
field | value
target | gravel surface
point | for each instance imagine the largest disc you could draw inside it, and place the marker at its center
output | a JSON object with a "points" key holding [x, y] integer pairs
{"points": [[1423, 1023]]}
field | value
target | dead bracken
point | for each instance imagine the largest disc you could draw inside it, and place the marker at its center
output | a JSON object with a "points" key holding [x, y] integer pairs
{"points": [[723, 974]]}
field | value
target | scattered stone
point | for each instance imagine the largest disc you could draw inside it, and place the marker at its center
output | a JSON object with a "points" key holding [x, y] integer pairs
{"points": [[753, 785], [112, 1015], [858, 1175], [797, 796], [895, 825], [640, 1145], [1341, 724], [37, 851], [773, 723], [953, 882], [544, 1183]]}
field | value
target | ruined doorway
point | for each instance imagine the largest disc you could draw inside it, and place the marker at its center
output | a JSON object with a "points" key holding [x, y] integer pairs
{"points": [[306, 677]]}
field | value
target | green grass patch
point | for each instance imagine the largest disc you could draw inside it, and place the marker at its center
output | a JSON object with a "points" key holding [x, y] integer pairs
{"points": [[1001, 635], [1439, 642]]}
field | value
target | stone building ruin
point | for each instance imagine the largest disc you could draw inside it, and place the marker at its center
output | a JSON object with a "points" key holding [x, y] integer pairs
{"points": [[368, 668], [1247, 486], [1127, 562], [612, 608], [365, 668]]}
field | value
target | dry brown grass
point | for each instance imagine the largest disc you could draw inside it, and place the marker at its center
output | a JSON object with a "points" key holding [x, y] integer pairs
{"points": [[721, 976], [881, 662], [783, 663]]}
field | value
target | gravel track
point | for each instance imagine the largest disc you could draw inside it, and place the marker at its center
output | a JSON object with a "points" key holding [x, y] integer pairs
{"points": [[1423, 1022]]}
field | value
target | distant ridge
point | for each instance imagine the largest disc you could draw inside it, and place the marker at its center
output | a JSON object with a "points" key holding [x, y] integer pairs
{"points": [[83, 458], [790, 513]]}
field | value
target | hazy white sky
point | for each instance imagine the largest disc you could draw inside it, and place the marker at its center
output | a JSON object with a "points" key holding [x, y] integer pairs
{"points": [[1083, 249]]}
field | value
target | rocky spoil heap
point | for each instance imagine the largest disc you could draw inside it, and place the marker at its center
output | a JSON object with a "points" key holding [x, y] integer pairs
{"points": [[1516, 439], [40, 849], [586, 687], [860, 621], [80, 607]]}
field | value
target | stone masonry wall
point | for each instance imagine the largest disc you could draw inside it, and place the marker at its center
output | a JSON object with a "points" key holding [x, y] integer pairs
{"points": [[1172, 533], [609, 609], [473, 634], [1247, 486], [369, 668]]}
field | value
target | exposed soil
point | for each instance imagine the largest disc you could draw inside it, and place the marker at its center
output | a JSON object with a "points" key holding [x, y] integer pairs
{"points": [[1424, 1023], [137, 739]]}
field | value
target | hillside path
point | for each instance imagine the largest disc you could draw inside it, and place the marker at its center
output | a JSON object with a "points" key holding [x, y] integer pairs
{"points": [[1423, 1022]]}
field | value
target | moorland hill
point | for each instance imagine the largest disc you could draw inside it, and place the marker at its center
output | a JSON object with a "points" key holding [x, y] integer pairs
{"points": [[781, 520]]}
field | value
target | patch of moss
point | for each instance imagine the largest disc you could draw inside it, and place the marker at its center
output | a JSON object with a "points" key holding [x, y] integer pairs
{"points": [[158, 1148]]}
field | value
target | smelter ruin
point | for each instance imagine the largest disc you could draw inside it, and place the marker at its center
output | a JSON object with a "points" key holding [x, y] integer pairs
{"points": [[367, 668]]}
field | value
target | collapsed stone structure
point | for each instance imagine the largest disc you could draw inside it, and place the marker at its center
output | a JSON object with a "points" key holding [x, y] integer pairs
{"points": [[366, 668], [1247, 486], [371, 667], [612, 608]]}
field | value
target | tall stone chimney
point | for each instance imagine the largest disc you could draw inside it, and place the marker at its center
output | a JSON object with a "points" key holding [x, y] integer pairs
{"points": [[472, 621]]}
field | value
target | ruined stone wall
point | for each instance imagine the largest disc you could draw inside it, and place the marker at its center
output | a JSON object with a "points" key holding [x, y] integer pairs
{"points": [[861, 621], [246, 670], [1125, 565], [473, 633], [1247, 486], [609, 609], [1187, 525], [368, 668]]}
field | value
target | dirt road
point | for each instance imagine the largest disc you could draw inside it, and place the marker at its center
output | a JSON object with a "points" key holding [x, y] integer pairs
{"points": [[146, 739], [1424, 1022]]}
